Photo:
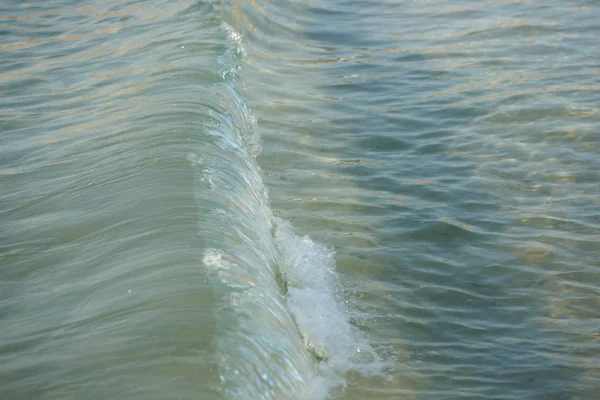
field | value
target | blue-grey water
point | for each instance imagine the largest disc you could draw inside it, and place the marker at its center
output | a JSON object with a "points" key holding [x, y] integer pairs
{"points": [[265, 199]]}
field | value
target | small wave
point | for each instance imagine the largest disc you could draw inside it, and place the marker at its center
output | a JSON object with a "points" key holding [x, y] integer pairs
{"points": [[287, 339]]}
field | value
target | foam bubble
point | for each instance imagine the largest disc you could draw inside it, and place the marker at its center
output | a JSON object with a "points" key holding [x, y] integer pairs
{"points": [[213, 259], [315, 301]]}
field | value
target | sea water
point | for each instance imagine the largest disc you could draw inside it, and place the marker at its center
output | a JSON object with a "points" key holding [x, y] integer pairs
{"points": [[299, 200]]}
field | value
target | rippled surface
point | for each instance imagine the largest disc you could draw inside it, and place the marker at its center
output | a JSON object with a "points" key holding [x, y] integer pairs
{"points": [[442, 156]]}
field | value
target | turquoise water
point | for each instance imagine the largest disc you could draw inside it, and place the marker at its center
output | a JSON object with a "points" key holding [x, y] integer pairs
{"points": [[282, 200]]}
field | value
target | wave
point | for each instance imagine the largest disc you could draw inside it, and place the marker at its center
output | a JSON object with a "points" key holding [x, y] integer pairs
{"points": [[282, 327]]}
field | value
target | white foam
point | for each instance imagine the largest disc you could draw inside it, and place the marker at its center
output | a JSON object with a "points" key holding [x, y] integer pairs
{"points": [[213, 259], [315, 301]]}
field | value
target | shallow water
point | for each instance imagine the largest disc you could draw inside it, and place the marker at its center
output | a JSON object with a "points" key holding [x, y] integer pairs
{"points": [[280, 200]]}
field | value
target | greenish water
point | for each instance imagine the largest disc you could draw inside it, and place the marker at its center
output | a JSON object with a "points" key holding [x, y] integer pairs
{"points": [[282, 200]]}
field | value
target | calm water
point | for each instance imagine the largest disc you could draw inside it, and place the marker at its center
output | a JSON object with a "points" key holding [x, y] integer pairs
{"points": [[261, 199]]}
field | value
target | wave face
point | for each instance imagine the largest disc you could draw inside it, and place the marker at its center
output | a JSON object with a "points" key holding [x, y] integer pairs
{"points": [[258, 348], [282, 331]]}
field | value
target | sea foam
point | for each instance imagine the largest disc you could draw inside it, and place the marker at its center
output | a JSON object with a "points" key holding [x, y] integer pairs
{"points": [[315, 299]]}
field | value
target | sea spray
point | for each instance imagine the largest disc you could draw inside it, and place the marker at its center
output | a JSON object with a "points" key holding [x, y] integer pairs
{"points": [[314, 297]]}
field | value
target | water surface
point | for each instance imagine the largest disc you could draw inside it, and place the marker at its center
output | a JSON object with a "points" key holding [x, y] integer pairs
{"points": [[282, 200]]}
